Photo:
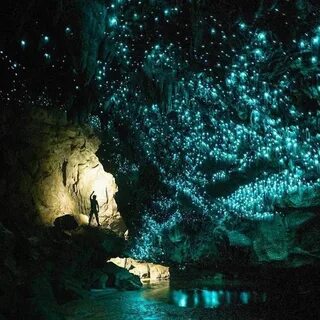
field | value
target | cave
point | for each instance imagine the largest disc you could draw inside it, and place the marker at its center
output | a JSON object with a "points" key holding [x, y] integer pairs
{"points": [[160, 159]]}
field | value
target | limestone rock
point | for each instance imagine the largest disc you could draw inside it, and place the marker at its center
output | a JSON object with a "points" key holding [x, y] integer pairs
{"points": [[298, 219], [143, 269], [271, 242], [302, 198], [57, 169], [286, 240], [238, 239], [158, 272], [122, 278]]}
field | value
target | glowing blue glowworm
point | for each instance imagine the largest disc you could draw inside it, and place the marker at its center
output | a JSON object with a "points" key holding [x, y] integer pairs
{"points": [[260, 138], [232, 120], [113, 21]]}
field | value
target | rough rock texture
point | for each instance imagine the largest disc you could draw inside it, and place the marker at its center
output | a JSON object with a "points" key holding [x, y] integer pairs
{"points": [[47, 266], [121, 278], [66, 222], [49, 169], [57, 168], [284, 241], [303, 198], [142, 269]]}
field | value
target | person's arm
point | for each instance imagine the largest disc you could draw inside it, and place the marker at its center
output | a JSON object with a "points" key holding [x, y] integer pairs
{"points": [[97, 204], [91, 195]]}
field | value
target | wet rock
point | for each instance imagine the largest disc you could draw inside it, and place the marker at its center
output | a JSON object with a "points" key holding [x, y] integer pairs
{"points": [[103, 281], [122, 278], [158, 272]]}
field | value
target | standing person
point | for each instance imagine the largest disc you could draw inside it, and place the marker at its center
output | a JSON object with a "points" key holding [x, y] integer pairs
{"points": [[94, 208]]}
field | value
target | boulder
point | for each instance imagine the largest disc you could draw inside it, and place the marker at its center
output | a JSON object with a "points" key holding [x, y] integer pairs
{"points": [[158, 272], [144, 270], [122, 278], [66, 222]]}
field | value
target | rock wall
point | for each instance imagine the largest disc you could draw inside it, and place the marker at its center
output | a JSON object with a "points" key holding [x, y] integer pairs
{"points": [[284, 241], [50, 169]]}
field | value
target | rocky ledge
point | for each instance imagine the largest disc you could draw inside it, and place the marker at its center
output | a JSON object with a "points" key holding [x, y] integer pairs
{"points": [[49, 253], [145, 270], [49, 266]]}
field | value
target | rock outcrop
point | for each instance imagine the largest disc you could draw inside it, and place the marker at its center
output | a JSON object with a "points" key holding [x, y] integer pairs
{"points": [[48, 266], [144, 270], [57, 169], [284, 241]]}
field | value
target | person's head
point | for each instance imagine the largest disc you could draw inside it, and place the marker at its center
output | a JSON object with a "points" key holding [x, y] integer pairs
{"points": [[94, 197]]}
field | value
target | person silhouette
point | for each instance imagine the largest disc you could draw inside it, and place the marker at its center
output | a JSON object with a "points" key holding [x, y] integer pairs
{"points": [[94, 208]]}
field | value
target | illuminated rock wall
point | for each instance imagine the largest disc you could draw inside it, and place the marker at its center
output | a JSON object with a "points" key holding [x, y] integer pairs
{"points": [[51, 169]]}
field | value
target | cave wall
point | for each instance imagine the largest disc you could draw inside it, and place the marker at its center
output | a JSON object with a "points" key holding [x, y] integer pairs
{"points": [[285, 241], [50, 169]]}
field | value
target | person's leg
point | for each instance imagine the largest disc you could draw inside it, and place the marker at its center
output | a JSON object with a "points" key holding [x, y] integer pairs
{"points": [[97, 218], [90, 217]]}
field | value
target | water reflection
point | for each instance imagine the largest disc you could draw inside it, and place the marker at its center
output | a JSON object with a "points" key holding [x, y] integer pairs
{"points": [[163, 301], [206, 298]]}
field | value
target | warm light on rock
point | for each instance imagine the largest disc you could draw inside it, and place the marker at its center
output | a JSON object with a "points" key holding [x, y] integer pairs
{"points": [[59, 170], [145, 270]]}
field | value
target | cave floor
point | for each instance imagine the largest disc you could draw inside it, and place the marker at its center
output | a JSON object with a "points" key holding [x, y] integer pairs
{"points": [[149, 304]]}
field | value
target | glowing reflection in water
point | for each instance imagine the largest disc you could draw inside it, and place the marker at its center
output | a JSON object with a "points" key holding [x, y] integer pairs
{"points": [[180, 298], [245, 297], [210, 298], [207, 298]]}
